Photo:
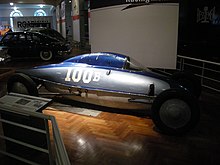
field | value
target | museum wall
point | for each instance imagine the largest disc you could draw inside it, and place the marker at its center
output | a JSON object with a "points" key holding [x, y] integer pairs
{"points": [[147, 33], [28, 16], [67, 20]]}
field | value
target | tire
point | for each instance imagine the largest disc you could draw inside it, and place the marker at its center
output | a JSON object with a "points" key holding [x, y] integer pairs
{"points": [[189, 81], [46, 55], [23, 84], [186, 110]]}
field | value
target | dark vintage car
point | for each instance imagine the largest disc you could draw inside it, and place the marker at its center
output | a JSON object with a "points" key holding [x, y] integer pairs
{"points": [[4, 57], [34, 44], [118, 81], [47, 31]]}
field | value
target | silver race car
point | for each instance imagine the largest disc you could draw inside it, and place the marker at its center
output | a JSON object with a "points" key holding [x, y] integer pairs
{"points": [[118, 81]]}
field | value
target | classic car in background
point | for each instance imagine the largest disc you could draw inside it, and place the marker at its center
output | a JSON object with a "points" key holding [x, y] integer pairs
{"points": [[118, 81], [34, 44], [47, 31], [4, 57]]}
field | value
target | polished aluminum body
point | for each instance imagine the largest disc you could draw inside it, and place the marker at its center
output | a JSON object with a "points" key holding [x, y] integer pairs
{"points": [[86, 79]]}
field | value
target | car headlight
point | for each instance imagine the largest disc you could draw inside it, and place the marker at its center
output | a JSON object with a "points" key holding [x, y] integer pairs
{"points": [[60, 53], [64, 52], [2, 59]]}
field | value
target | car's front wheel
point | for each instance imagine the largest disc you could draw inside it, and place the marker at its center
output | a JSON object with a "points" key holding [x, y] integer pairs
{"points": [[175, 111], [23, 84], [46, 55]]}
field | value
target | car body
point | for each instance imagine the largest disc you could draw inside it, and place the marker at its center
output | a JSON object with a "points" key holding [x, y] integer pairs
{"points": [[47, 31], [4, 57], [34, 44], [113, 80]]}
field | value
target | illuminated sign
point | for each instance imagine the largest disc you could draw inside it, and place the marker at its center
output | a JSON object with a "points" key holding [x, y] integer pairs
{"points": [[31, 24]]}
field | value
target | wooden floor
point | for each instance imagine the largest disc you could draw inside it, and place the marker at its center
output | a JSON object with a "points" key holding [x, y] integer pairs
{"points": [[113, 138]]}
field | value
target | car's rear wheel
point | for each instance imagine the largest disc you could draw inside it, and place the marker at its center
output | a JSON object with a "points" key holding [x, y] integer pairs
{"points": [[175, 111], [46, 55], [23, 84], [189, 81]]}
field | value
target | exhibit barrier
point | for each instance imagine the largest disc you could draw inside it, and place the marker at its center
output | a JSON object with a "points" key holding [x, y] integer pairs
{"points": [[207, 71], [25, 137]]}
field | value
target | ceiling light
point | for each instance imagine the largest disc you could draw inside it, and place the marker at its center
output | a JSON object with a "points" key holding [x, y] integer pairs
{"points": [[11, 4], [70, 1], [41, 6]]}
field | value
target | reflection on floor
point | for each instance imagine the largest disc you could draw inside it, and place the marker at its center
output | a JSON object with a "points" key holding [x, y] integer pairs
{"points": [[74, 109], [120, 138]]}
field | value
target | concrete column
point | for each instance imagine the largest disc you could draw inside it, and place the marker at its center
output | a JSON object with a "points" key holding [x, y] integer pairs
{"points": [[63, 18], [58, 18], [76, 20]]}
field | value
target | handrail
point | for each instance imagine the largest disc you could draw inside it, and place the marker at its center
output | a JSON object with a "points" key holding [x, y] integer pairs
{"points": [[203, 68], [61, 151], [207, 80], [18, 158], [200, 60], [59, 155]]}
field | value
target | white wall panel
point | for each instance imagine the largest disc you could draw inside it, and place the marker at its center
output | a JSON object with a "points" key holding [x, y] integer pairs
{"points": [[147, 33]]}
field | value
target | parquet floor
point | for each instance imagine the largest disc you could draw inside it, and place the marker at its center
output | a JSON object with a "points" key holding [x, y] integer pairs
{"points": [[117, 139]]}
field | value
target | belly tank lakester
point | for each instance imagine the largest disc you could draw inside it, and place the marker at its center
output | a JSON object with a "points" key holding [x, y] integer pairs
{"points": [[117, 81]]}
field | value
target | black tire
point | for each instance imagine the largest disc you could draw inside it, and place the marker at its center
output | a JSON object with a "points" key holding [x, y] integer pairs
{"points": [[23, 84], [189, 81], [46, 55], [184, 105]]}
